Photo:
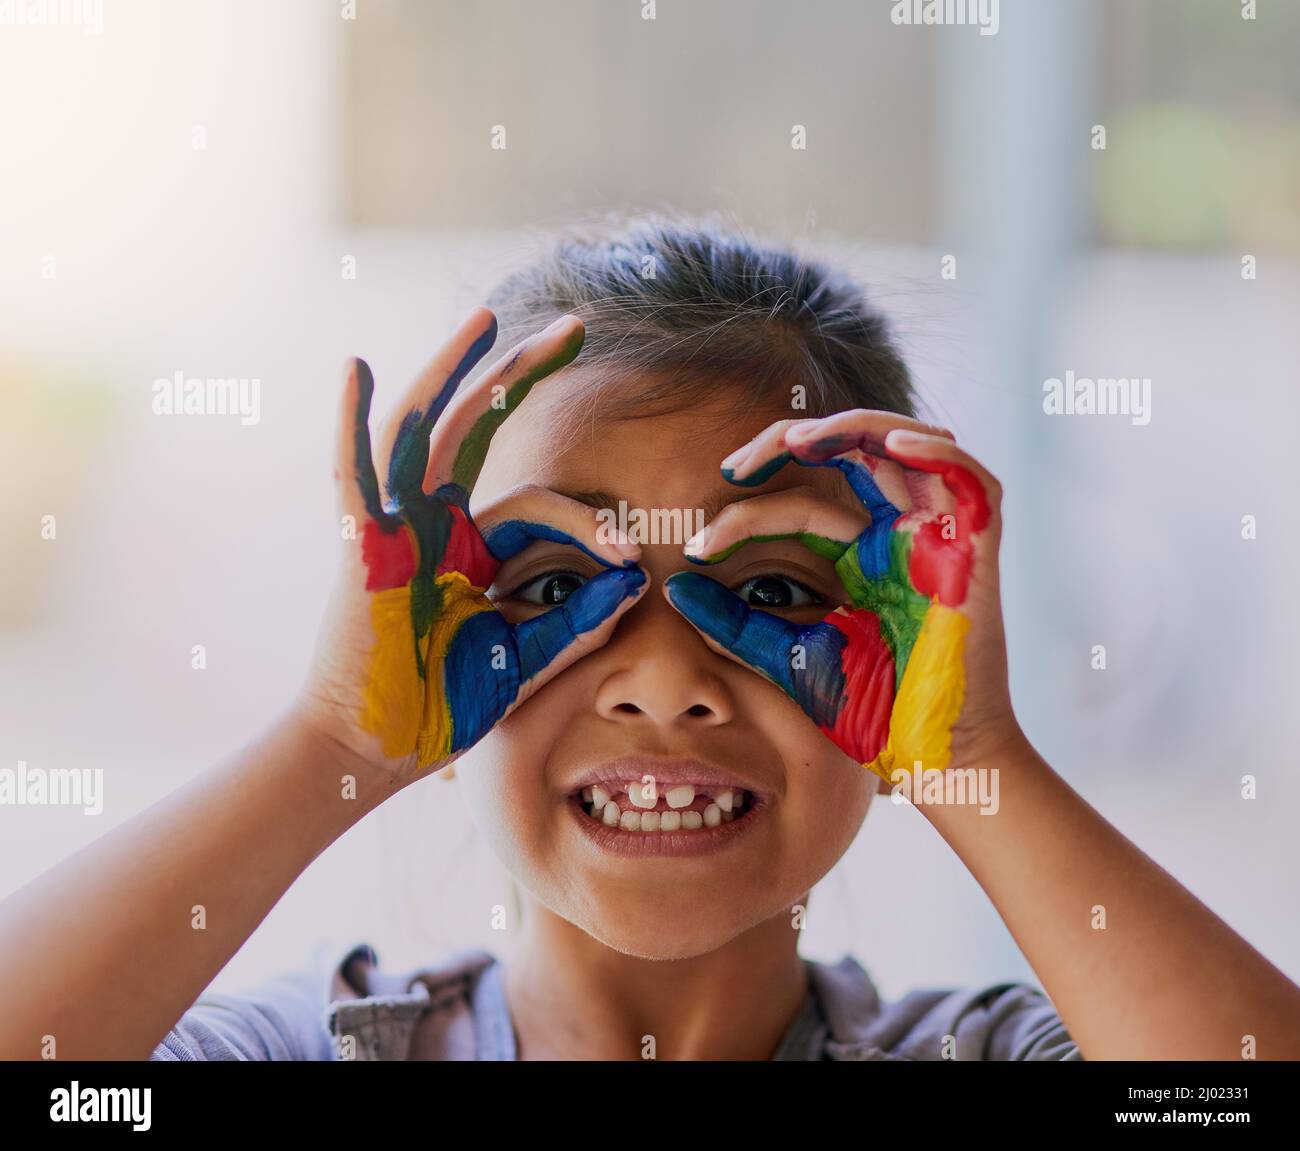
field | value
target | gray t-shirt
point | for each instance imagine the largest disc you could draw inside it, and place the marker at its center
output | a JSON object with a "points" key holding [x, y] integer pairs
{"points": [[456, 1009]]}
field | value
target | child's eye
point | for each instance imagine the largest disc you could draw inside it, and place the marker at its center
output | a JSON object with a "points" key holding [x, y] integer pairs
{"points": [[550, 588], [774, 591]]}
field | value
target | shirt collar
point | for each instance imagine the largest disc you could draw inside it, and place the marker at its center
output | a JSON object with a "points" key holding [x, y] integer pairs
{"points": [[833, 1023]]}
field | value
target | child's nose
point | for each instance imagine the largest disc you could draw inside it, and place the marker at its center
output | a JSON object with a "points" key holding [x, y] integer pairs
{"points": [[660, 671]]}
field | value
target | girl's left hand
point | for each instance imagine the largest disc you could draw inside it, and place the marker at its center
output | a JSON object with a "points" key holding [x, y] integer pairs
{"points": [[912, 672]]}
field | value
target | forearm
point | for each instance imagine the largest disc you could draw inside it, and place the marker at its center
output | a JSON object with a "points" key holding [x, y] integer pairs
{"points": [[106, 951], [1164, 978]]}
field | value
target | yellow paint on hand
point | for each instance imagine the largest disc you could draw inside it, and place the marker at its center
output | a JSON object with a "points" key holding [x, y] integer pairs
{"points": [[394, 696], [409, 715], [460, 601], [929, 698]]}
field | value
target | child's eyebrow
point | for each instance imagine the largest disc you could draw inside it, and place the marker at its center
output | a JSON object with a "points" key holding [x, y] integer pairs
{"points": [[721, 498]]}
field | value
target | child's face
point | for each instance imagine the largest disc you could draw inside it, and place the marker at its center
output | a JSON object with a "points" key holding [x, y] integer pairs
{"points": [[657, 690]]}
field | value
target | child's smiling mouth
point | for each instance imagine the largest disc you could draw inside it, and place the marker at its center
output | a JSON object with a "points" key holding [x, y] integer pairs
{"points": [[645, 806]]}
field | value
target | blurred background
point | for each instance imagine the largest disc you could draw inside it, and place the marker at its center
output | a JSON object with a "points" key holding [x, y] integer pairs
{"points": [[231, 188]]}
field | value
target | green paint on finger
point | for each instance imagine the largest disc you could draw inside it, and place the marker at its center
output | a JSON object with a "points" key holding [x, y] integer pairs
{"points": [[819, 545], [474, 448], [900, 608]]}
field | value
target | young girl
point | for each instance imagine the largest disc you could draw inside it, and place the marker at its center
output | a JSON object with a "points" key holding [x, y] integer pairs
{"points": [[668, 735]]}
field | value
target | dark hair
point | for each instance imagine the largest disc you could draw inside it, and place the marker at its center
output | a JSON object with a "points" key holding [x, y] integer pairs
{"points": [[671, 299]]}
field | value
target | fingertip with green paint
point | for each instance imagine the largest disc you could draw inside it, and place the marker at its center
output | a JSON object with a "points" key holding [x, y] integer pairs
{"points": [[474, 447], [697, 547], [738, 461]]}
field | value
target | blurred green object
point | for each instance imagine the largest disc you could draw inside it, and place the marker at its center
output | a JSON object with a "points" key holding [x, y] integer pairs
{"points": [[1167, 178], [52, 441]]}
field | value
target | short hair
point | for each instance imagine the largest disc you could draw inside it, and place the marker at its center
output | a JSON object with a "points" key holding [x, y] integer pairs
{"points": [[674, 300]]}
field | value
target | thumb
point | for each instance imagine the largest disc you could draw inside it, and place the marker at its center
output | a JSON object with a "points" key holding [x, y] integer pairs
{"points": [[498, 665], [759, 640], [551, 642], [839, 671]]}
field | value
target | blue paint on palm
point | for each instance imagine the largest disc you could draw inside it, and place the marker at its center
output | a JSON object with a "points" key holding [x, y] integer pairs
{"points": [[875, 543], [489, 659], [482, 677], [768, 643]]}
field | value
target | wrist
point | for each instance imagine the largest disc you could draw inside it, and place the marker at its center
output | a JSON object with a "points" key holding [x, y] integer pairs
{"points": [[330, 765], [971, 784], [995, 745]]}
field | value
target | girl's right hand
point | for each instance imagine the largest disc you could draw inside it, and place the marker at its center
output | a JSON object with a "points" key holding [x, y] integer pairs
{"points": [[416, 664]]}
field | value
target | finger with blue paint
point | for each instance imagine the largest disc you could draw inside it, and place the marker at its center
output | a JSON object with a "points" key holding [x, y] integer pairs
{"points": [[831, 668]]}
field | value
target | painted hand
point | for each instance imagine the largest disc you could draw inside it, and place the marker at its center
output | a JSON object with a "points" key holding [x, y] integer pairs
{"points": [[419, 660], [888, 676]]}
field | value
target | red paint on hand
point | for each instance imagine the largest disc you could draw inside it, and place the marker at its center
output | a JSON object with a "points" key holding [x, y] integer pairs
{"points": [[940, 567], [467, 553], [389, 556], [862, 727], [942, 561]]}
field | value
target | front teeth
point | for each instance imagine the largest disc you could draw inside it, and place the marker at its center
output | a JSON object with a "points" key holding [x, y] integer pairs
{"points": [[682, 796], [598, 802], [642, 795]]}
